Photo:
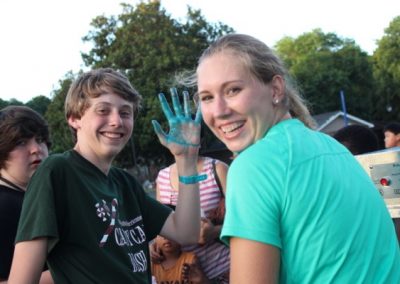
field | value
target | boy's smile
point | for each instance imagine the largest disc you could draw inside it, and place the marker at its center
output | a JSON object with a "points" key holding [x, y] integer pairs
{"points": [[104, 128]]}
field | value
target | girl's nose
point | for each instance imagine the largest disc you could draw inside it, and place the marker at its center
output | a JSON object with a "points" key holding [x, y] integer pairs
{"points": [[220, 107]]}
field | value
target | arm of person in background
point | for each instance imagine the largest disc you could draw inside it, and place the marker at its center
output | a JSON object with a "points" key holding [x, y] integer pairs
{"points": [[183, 141], [253, 262], [208, 230], [28, 262]]}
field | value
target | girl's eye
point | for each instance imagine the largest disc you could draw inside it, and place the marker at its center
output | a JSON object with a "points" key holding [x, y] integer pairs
{"points": [[21, 142], [206, 98], [233, 91]]}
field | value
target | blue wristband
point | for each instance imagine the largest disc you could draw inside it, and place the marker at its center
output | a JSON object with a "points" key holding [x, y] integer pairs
{"points": [[192, 179]]}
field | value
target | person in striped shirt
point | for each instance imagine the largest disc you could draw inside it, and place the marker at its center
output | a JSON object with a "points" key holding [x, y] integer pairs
{"points": [[213, 256]]}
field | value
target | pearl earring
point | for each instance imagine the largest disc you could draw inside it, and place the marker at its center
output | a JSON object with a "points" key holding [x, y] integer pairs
{"points": [[276, 101]]}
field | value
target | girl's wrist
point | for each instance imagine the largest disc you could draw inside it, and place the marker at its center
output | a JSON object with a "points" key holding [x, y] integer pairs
{"points": [[192, 178]]}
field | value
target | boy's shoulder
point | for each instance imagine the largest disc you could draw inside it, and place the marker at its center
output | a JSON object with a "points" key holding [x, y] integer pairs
{"points": [[59, 162], [58, 158]]}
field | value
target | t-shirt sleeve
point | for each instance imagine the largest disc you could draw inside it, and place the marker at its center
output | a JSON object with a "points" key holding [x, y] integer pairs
{"points": [[254, 196], [38, 215], [154, 213]]}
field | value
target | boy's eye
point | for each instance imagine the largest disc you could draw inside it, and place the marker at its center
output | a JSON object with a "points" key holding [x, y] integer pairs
{"points": [[126, 114], [102, 111]]}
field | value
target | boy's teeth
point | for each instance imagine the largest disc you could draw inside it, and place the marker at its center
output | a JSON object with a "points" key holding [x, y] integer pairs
{"points": [[113, 135]]}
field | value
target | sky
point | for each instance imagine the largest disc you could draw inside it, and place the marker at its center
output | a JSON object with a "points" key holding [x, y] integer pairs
{"points": [[41, 40]]}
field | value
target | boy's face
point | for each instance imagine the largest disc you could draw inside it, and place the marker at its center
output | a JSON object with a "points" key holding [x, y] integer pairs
{"points": [[391, 139], [104, 128]]}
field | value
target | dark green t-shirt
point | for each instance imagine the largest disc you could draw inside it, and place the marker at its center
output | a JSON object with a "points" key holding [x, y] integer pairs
{"points": [[98, 226]]}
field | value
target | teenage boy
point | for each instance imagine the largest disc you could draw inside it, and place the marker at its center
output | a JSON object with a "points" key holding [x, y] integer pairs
{"points": [[90, 220]]}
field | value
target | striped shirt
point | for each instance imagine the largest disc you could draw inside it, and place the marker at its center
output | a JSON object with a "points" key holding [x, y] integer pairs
{"points": [[213, 256]]}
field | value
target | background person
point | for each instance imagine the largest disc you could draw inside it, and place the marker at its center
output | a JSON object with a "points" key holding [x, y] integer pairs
{"points": [[213, 256], [291, 215], [176, 266], [24, 144], [93, 221], [170, 269], [392, 135]]}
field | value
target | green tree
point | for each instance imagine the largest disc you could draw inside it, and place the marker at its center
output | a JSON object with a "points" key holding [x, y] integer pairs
{"points": [[149, 46], [323, 65], [3, 103], [39, 103], [14, 102], [59, 130], [386, 66]]}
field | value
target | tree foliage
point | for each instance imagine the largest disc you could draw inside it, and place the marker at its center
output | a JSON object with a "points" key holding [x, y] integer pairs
{"points": [[59, 130], [325, 64], [3, 103], [149, 46], [39, 103], [386, 62]]}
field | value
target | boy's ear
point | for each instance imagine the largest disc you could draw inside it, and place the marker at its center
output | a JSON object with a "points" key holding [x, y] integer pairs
{"points": [[73, 122]]}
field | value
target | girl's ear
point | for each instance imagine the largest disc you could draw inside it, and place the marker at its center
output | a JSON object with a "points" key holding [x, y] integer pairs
{"points": [[278, 88]]}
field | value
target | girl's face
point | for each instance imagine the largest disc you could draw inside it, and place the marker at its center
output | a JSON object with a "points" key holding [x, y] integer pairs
{"points": [[238, 108], [104, 128], [23, 160]]}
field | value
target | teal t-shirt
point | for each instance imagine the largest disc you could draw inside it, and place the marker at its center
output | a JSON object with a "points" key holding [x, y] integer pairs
{"points": [[303, 192], [98, 225]]}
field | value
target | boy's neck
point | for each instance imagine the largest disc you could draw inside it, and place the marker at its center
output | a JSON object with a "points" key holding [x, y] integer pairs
{"points": [[102, 164]]}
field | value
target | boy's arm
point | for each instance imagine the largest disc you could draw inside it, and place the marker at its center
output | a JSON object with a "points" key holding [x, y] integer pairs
{"points": [[28, 261]]}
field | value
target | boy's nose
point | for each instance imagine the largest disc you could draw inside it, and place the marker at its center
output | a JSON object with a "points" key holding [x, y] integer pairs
{"points": [[115, 119]]}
